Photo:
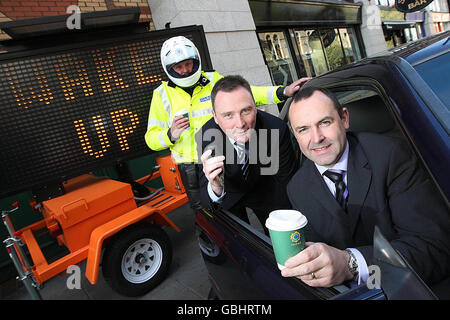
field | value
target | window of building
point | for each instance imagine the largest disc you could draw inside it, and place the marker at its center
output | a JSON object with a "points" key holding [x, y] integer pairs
{"points": [[438, 27], [333, 48], [387, 3], [397, 37], [311, 52], [278, 57], [322, 50], [314, 52], [411, 34], [350, 44]]}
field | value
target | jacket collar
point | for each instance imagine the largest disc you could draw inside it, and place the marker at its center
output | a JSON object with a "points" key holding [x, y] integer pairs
{"points": [[203, 81]]}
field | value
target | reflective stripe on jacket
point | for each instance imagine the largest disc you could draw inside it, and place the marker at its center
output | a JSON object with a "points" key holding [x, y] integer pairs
{"points": [[168, 100]]}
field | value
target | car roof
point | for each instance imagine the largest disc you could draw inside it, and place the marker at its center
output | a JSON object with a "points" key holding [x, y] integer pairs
{"points": [[420, 50], [413, 53], [426, 48]]}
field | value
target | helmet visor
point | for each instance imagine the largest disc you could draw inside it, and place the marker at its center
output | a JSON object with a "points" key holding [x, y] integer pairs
{"points": [[178, 54], [175, 74]]}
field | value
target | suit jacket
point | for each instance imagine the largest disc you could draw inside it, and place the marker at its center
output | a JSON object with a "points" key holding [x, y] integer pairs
{"points": [[267, 189], [388, 188]]}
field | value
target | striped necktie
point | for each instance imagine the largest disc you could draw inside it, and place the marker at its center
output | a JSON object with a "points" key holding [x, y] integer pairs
{"points": [[242, 159], [341, 189]]}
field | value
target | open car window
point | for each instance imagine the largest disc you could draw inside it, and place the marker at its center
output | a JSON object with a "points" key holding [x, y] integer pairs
{"points": [[368, 112]]}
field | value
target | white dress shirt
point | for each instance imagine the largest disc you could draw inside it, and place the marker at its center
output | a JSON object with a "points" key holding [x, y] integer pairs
{"points": [[342, 165]]}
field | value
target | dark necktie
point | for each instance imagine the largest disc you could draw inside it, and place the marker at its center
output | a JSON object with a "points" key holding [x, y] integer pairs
{"points": [[341, 188], [242, 158]]}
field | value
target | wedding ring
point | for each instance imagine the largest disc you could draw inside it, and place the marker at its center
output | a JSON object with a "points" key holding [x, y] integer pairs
{"points": [[313, 276]]}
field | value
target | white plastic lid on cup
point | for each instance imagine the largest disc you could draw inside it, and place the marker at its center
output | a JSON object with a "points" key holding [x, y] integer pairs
{"points": [[286, 220], [182, 113]]}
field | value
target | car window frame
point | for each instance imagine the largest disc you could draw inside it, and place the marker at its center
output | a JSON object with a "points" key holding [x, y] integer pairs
{"points": [[379, 89], [261, 243]]}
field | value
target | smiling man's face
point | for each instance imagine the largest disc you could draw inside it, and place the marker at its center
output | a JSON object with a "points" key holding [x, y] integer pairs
{"points": [[235, 113], [319, 130]]}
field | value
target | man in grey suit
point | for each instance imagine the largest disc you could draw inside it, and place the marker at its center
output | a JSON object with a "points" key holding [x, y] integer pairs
{"points": [[351, 182]]}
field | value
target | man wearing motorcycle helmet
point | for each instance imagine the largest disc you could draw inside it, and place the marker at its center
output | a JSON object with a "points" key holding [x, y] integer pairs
{"points": [[181, 106]]}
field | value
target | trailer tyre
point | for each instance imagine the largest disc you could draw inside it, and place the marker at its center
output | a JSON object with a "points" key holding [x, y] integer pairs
{"points": [[137, 259]]}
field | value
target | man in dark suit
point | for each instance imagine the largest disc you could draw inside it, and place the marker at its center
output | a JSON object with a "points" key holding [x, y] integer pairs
{"points": [[253, 157], [351, 182]]}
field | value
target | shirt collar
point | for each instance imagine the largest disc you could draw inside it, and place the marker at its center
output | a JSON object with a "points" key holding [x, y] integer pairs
{"points": [[234, 143], [231, 140], [340, 165]]}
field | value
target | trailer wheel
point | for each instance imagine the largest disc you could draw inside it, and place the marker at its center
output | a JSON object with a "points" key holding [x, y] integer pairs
{"points": [[137, 259]]}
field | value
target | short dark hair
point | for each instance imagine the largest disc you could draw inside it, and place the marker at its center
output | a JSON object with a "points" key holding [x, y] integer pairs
{"points": [[309, 91], [228, 84]]}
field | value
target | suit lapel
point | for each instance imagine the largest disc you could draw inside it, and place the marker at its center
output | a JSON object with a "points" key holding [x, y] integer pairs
{"points": [[324, 213], [320, 191], [359, 177]]}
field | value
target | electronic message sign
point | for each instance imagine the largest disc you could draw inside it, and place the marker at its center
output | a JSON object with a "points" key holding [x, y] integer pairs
{"points": [[77, 108]]}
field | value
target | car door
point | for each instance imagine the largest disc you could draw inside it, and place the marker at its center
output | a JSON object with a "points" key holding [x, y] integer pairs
{"points": [[241, 263]]}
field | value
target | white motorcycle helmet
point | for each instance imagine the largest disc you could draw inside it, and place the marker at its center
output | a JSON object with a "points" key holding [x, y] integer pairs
{"points": [[175, 50]]}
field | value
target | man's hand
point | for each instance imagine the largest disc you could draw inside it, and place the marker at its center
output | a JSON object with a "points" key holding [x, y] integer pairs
{"points": [[212, 168], [179, 124], [295, 86], [328, 264]]}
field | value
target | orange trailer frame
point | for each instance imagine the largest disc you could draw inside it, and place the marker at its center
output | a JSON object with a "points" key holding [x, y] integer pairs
{"points": [[93, 210]]}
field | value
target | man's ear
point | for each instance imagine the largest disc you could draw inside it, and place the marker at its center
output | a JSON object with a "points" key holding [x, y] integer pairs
{"points": [[345, 118], [215, 117]]}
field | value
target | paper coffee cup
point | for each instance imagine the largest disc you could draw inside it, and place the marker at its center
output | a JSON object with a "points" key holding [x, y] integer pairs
{"points": [[286, 228], [183, 113]]}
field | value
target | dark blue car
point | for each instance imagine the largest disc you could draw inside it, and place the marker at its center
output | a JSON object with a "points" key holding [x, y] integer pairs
{"points": [[404, 93]]}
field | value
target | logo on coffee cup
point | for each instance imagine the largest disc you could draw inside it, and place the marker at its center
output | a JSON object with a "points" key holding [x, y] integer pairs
{"points": [[295, 236]]}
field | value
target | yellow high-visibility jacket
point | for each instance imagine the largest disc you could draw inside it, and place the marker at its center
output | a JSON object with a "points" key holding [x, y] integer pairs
{"points": [[169, 99]]}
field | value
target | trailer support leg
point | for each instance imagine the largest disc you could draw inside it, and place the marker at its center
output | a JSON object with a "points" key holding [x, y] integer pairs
{"points": [[25, 276]]}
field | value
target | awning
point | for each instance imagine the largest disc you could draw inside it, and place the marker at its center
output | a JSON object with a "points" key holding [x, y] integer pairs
{"points": [[415, 16], [20, 29], [297, 13], [440, 16], [397, 24]]}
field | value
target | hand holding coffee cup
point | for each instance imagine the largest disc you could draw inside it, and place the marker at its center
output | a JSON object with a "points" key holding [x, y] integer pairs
{"points": [[286, 228]]}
